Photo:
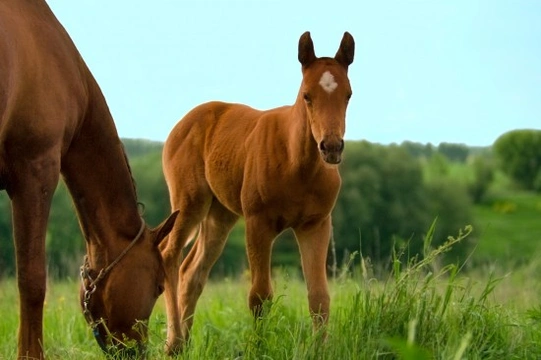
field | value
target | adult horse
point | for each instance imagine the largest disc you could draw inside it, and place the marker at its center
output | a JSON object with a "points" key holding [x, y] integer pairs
{"points": [[277, 168], [54, 120]]}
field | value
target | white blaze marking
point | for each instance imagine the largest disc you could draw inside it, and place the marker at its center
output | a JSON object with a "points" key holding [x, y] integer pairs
{"points": [[327, 82]]}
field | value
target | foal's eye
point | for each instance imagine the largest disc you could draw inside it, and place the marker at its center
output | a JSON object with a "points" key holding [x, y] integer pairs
{"points": [[307, 98], [348, 97]]}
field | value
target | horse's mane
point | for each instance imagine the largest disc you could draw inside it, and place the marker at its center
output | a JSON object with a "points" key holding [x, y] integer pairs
{"points": [[140, 204]]}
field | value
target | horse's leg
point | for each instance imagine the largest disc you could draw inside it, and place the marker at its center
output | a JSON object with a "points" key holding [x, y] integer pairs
{"points": [[31, 189], [259, 238], [313, 240], [194, 271]]}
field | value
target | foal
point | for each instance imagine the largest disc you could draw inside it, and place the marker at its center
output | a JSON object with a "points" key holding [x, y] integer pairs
{"points": [[277, 168]]}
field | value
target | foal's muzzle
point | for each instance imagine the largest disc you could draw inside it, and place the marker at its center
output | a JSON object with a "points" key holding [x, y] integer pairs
{"points": [[331, 150]]}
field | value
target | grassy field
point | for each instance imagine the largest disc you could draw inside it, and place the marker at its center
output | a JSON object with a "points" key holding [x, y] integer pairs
{"points": [[509, 225], [423, 310], [507, 221]]}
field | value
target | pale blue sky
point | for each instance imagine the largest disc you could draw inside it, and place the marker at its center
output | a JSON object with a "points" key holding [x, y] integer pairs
{"points": [[460, 71]]}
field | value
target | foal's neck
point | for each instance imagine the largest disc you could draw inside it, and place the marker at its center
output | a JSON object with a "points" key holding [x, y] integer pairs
{"points": [[302, 145]]}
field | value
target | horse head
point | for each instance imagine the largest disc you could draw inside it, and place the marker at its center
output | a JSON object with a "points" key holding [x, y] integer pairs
{"points": [[118, 299], [325, 91]]}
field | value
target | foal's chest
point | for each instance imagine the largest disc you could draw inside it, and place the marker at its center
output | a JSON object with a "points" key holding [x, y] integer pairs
{"points": [[293, 197]]}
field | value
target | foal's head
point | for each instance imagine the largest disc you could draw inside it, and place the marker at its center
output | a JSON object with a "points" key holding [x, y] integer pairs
{"points": [[119, 304], [326, 91]]}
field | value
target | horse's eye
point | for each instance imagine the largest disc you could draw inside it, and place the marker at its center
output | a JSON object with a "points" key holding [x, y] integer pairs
{"points": [[348, 97], [307, 98]]}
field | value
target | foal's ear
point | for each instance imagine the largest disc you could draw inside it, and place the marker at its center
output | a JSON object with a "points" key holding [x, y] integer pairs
{"points": [[164, 228], [306, 50], [345, 53]]}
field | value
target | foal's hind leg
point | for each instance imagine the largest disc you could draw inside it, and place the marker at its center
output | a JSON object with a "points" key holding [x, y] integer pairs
{"points": [[31, 191], [313, 240], [190, 215], [196, 267]]}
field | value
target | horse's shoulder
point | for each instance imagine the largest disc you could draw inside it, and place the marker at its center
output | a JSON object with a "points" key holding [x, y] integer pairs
{"points": [[34, 89], [32, 45]]}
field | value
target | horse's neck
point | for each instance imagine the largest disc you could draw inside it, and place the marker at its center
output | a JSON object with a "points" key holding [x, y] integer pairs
{"points": [[97, 173]]}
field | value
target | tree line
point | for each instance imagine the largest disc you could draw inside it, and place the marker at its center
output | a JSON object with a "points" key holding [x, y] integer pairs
{"points": [[390, 196]]}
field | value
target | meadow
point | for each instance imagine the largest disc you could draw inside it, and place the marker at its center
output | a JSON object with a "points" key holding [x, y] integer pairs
{"points": [[423, 309], [487, 306], [509, 226]]}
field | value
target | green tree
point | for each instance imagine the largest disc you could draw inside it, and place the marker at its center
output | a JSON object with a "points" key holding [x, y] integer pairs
{"points": [[450, 203], [454, 152], [64, 241], [152, 190], [386, 202], [381, 200], [64, 244], [418, 150], [437, 166], [483, 175], [140, 147], [519, 156]]}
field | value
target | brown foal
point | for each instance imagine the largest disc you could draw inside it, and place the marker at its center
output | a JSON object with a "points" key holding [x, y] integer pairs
{"points": [[276, 168]]}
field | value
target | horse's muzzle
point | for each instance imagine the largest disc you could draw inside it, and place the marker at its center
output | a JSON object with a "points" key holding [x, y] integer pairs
{"points": [[331, 150], [118, 350]]}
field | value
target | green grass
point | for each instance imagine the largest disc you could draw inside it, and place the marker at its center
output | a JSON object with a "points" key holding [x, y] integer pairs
{"points": [[509, 226], [424, 310], [507, 221]]}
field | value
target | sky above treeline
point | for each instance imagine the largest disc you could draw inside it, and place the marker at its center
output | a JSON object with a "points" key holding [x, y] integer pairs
{"points": [[460, 71]]}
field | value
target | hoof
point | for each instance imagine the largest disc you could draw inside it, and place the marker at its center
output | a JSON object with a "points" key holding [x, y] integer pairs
{"points": [[175, 348]]}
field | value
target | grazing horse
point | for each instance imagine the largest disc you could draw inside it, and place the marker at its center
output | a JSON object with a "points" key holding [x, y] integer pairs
{"points": [[55, 121], [276, 168]]}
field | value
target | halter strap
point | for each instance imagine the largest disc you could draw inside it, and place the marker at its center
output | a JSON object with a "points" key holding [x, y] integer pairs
{"points": [[92, 286]]}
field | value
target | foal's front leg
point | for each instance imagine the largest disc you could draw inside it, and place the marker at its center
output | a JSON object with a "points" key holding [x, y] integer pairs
{"points": [[313, 240], [259, 239]]}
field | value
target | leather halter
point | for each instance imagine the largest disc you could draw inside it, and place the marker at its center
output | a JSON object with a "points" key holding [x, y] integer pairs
{"points": [[93, 285]]}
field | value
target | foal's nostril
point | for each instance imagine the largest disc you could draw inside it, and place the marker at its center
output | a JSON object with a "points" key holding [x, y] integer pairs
{"points": [[334, 146]]}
